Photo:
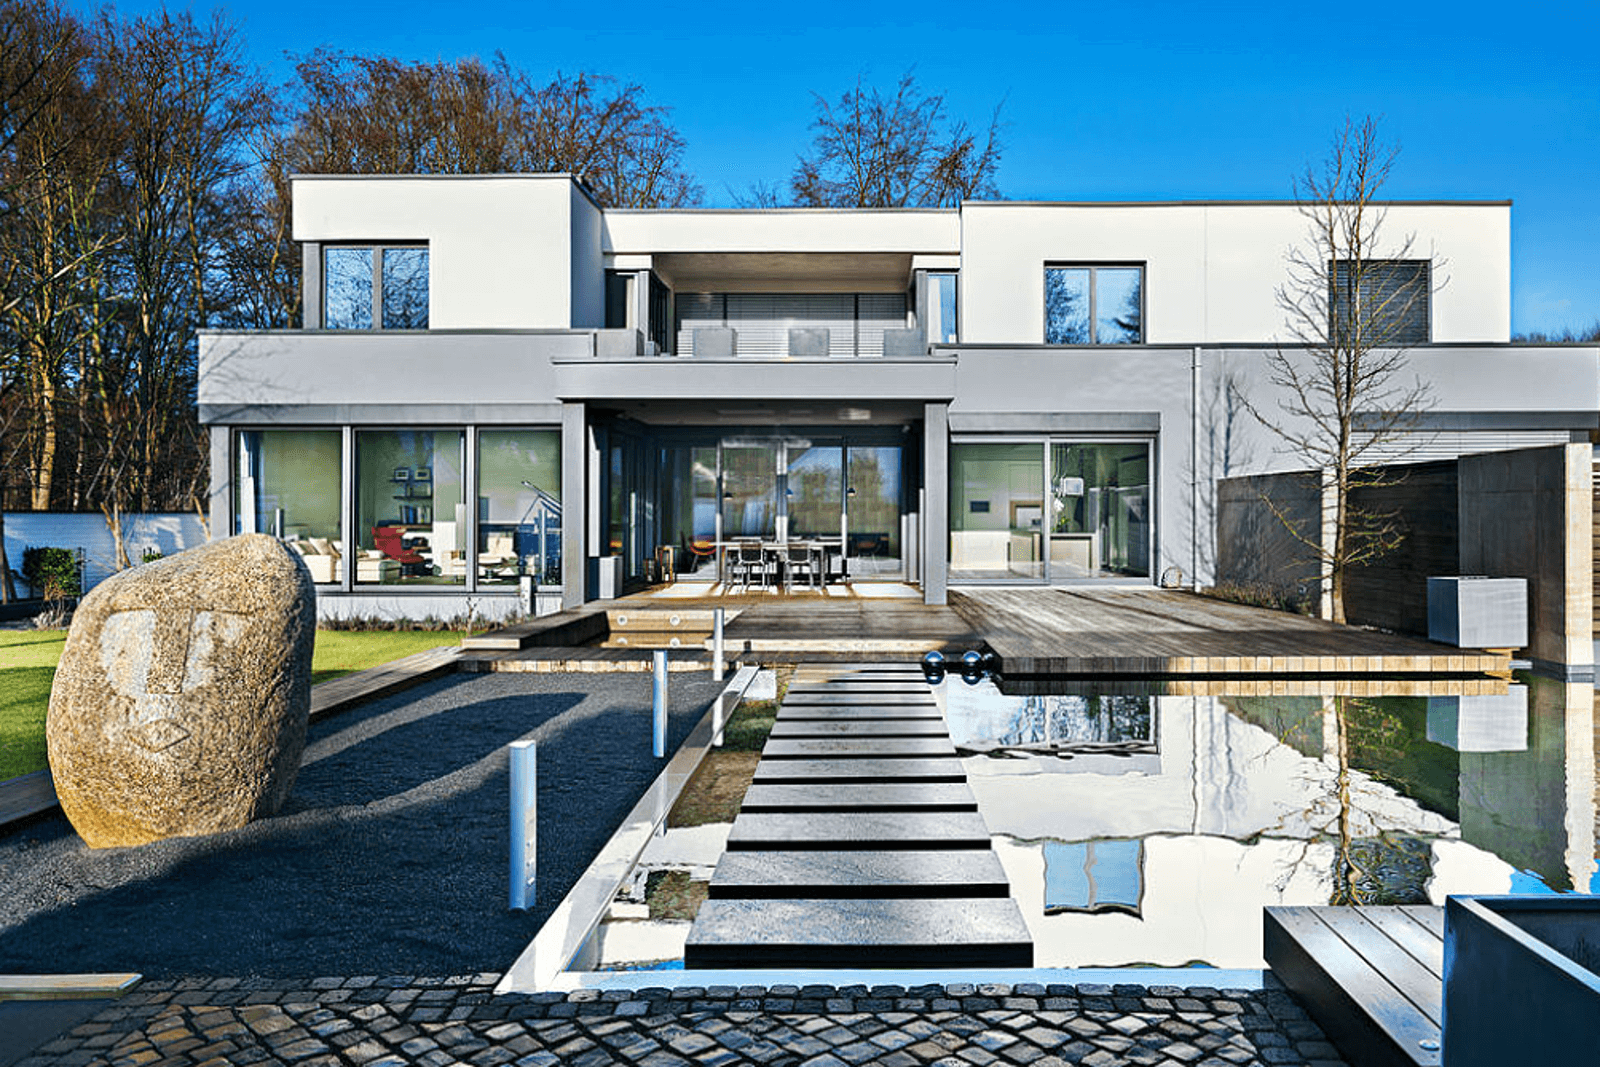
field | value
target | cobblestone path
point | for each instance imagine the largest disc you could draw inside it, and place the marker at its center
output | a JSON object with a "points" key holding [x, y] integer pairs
{"points": [[438, 1022]]}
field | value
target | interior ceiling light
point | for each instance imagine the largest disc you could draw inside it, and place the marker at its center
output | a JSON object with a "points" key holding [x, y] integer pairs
{"points": [[855, 415]]}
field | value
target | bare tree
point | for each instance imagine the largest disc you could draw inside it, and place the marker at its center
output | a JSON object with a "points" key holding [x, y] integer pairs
{"points": [[900, 149], [1351, 302], [379, 115], [41, 112]]}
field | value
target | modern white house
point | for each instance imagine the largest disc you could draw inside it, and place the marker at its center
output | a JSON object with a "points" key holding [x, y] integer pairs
{"points": [[499, 378]]}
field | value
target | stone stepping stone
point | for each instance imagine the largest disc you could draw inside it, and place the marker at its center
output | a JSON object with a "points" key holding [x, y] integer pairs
{"points": [[846, 699], [861, 796], [819, 771], [959, 932], [785, 729], [858, 829], [856, 748], [858, 685], [854, 875], [869, 712]]}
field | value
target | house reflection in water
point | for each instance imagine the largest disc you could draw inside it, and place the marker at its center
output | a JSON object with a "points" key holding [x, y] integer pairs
{"points": [[1152, 829]]}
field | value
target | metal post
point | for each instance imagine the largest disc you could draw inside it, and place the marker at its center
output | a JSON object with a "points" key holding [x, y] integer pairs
{"points": [[717, 668], [658, 702], [524, 826]]}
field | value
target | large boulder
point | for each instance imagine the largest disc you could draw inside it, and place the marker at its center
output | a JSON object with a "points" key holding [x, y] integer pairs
{"points": [[179, 707]]}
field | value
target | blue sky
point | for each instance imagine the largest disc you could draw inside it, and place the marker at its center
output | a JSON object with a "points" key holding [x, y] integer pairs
{"points": [[1102, 101]]}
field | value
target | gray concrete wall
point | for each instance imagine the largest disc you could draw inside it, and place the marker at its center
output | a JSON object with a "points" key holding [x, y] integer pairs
{"points": [[1520, 514], [1528, 514], [1255, 548], [1391, 592]]}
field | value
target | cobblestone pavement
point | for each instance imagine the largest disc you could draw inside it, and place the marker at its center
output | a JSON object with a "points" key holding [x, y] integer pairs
{"points": [[437, 1022]]}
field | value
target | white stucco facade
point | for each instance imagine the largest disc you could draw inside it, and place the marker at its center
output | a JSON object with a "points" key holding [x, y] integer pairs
{"points": [[917, 333]]}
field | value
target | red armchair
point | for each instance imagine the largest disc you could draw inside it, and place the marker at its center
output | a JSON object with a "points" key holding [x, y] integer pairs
{"points": [[388, 541]]}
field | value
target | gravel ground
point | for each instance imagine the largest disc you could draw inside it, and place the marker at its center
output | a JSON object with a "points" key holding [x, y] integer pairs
{"points": [[390, 857]]}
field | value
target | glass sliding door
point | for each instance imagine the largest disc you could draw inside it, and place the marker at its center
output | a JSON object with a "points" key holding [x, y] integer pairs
{"points": [[688, 494], [1099, 510], [996, 510], [815, 491], [749, 491], [872, 508]]}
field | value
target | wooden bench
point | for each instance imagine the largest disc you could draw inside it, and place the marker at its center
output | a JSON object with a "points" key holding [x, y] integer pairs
{"points": [[1372, 977]]}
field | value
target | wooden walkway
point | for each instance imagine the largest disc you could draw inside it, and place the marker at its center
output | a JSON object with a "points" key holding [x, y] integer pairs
{"points": [[1078, 631], [1372, 977]]}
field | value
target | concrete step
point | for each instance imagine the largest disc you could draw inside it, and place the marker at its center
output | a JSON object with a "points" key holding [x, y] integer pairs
{"points": [[849, 748], [841, 830], [865, 796], [959, 932], [836, 712], [789, 729], [818, 771], [839, 875]]}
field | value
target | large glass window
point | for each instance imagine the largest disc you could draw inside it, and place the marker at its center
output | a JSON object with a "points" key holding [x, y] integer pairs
{"points": [[996, 511], [411, 507], [941, 329], [1380, 303], [519, 506], [1094, 305], [289, 486], [1100, 510], [374, 287]]}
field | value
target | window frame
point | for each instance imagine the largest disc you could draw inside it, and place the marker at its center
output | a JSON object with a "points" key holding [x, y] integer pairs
{"points": [[1093, 267], [1425, 294], [378, 249]]}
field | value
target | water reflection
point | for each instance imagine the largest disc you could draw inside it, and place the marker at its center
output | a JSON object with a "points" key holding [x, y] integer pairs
{"points": [[1145, 828]]}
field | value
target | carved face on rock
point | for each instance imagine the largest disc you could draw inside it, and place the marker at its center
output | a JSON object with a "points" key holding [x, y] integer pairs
{"points": [[179, 706], [153, 661]]}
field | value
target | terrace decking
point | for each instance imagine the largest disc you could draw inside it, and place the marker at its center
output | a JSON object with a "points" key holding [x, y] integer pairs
{"points": [[1153, 631], [1082, 632], [1372, 977], [859, 843]]}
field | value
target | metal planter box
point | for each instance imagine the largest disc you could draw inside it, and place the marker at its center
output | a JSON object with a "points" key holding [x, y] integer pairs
{"points": [[1472, 612], [1520, 980]]}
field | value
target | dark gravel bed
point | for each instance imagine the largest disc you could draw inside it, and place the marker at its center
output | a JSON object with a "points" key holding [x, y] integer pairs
{"points": [[390, 857]]}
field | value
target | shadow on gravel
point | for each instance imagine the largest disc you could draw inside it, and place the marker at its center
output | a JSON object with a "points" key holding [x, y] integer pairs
{"points": [[389, 858]]}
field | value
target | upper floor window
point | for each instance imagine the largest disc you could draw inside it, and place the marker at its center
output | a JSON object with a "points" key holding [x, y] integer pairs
{"points": [[367, 288], [1094, 305], [1379, 303], [942, 309]]}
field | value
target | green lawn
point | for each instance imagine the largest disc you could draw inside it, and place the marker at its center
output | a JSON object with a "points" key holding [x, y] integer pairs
{"points": [[28, 663]]}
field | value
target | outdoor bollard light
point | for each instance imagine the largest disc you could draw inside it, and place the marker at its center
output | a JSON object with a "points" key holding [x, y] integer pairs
{"points": [[658, 702], [716, 645], [717, 717], [524, 826]]}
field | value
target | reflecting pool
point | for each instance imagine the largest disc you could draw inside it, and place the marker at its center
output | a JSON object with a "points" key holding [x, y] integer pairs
{"points": [[1150, 828]]}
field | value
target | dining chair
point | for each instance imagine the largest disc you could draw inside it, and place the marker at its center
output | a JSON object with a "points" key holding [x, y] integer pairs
{"points": [[749, 560], [800, 556]]}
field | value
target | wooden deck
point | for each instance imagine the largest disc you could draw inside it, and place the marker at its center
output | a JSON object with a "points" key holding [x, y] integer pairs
{"points": [[1077, 631], [340, 694], [1372, 977]]}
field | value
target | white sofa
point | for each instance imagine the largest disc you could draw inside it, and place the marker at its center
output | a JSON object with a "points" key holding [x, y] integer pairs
{"points": [[323, 560]]}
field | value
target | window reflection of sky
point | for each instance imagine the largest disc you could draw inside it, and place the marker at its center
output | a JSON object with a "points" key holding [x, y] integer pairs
{"points": [[1239, 807]]}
